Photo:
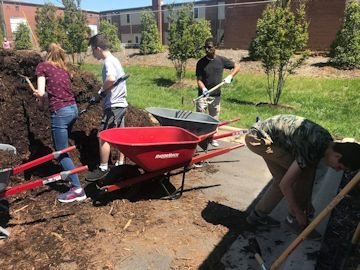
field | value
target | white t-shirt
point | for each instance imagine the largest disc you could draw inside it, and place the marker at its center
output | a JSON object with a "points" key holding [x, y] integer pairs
{"points": [[117, 96]]}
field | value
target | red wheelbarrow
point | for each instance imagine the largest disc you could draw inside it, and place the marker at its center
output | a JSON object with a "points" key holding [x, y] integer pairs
{"points": [[5, 174], [158, 151]]}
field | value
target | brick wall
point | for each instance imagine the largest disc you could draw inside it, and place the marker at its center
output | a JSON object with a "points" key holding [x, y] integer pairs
{"points": [[325, 18], [28, 12]]}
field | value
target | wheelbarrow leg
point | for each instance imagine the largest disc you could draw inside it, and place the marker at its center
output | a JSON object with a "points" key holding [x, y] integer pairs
{"points": [[178, 192]]}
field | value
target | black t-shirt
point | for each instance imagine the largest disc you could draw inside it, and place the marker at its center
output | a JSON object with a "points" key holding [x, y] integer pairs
{"points": [[210, 72]]}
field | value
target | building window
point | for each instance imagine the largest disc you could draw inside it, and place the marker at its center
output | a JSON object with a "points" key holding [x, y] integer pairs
{"points": [[136, 39], [17, 8], [128, 18], [196, 13]]}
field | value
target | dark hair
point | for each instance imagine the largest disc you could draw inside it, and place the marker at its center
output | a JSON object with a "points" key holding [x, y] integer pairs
{"points": [[210, 40], [100, 41], [350, 154]]}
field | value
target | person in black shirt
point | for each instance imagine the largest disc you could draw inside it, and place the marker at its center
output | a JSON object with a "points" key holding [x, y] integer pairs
{"points": [[209, 73]]}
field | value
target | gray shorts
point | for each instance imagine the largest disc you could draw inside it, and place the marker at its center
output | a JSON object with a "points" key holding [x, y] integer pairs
{"points": [[112, 118]]}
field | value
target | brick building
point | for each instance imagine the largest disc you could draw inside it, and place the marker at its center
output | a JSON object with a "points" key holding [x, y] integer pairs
{"points": [[233, 22], [16, 12]]}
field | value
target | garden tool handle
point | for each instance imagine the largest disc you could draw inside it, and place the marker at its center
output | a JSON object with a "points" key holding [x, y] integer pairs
{"points": [[28, 82], [356, 236], [210, 91], [277, 263]]}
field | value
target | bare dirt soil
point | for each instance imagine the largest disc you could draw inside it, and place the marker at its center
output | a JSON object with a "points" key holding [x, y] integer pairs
{"points": [[128, 229], [315, 66]]}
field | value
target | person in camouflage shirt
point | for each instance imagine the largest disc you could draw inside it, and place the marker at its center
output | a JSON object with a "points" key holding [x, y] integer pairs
{"points": [[292, 147]]}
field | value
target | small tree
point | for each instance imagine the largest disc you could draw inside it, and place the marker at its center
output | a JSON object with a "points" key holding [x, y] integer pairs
{"points": [[74, 24], [111, 33], [48, 28], [280, 33], [186, 38], [345, 50], [22, 37], [150, 38]]}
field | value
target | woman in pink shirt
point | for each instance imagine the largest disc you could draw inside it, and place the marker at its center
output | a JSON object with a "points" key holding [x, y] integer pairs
{"points": [[54, 86]]}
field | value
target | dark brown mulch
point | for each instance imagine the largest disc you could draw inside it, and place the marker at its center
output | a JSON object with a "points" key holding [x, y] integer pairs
{"points": [[337, 253]]}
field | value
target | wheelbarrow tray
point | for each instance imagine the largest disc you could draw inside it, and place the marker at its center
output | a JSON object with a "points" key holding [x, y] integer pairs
{"points": [[153, 148], [195, 122]]}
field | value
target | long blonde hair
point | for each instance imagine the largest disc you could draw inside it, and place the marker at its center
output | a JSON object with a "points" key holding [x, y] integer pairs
{"points": [[56, 56]]}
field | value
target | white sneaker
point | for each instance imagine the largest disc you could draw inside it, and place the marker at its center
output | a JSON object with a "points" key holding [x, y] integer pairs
{"points": [[214, 143]]}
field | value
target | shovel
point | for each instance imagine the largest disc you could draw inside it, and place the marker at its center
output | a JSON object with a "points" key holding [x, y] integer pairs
{"points": [[97, 98], [28, 81], [278, 262], [255, 248], [210, 91]]}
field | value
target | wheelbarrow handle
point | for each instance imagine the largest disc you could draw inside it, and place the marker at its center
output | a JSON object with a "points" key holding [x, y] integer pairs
{"points": [[228, 122], [43, 181], [41, 160], [210, 91]]}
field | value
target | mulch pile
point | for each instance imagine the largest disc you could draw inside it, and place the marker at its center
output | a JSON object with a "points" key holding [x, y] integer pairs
{"points": [[26, 127]]}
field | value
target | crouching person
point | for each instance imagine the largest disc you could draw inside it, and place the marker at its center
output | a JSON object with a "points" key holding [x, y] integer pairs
{"points": [[292, 148]]}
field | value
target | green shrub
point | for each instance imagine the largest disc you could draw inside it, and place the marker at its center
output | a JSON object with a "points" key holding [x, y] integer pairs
{"points": [[150, 38], [280, 33], [345, 50], [111, 33], [22, 37], [186, 38]]}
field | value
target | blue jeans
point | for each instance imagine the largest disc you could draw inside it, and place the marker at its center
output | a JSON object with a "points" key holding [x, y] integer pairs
{"points": [[62, 121]]}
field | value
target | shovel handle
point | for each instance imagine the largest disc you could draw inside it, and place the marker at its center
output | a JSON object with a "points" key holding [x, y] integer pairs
{"points": [[210, 91], [41, 160], [277, 263], [28, 82], [228, 122]]}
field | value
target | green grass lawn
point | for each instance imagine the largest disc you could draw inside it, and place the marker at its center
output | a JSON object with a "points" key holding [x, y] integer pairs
{"points": [[333, 103]]}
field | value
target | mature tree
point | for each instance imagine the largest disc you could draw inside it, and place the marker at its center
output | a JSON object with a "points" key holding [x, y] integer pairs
{"points": [[75, 25], [186, 37], [111, 33], [280, 33], [345, 51], [150, 38], [22, 37], [48, 28]]}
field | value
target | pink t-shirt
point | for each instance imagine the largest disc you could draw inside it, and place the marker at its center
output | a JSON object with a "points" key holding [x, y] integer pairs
{"points": [[58, 85], [6, 44]]}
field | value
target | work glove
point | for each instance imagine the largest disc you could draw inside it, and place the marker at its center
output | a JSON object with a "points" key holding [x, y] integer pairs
{"points": [[205, 92], [101, 92], [228, 79], [93, 100]]}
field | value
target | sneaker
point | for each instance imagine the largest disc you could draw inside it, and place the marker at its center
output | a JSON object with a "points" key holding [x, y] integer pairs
{"points": [[292, 224], [74, 194], [199, 164], [254, 219], [96, 175], [215, 143]]}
